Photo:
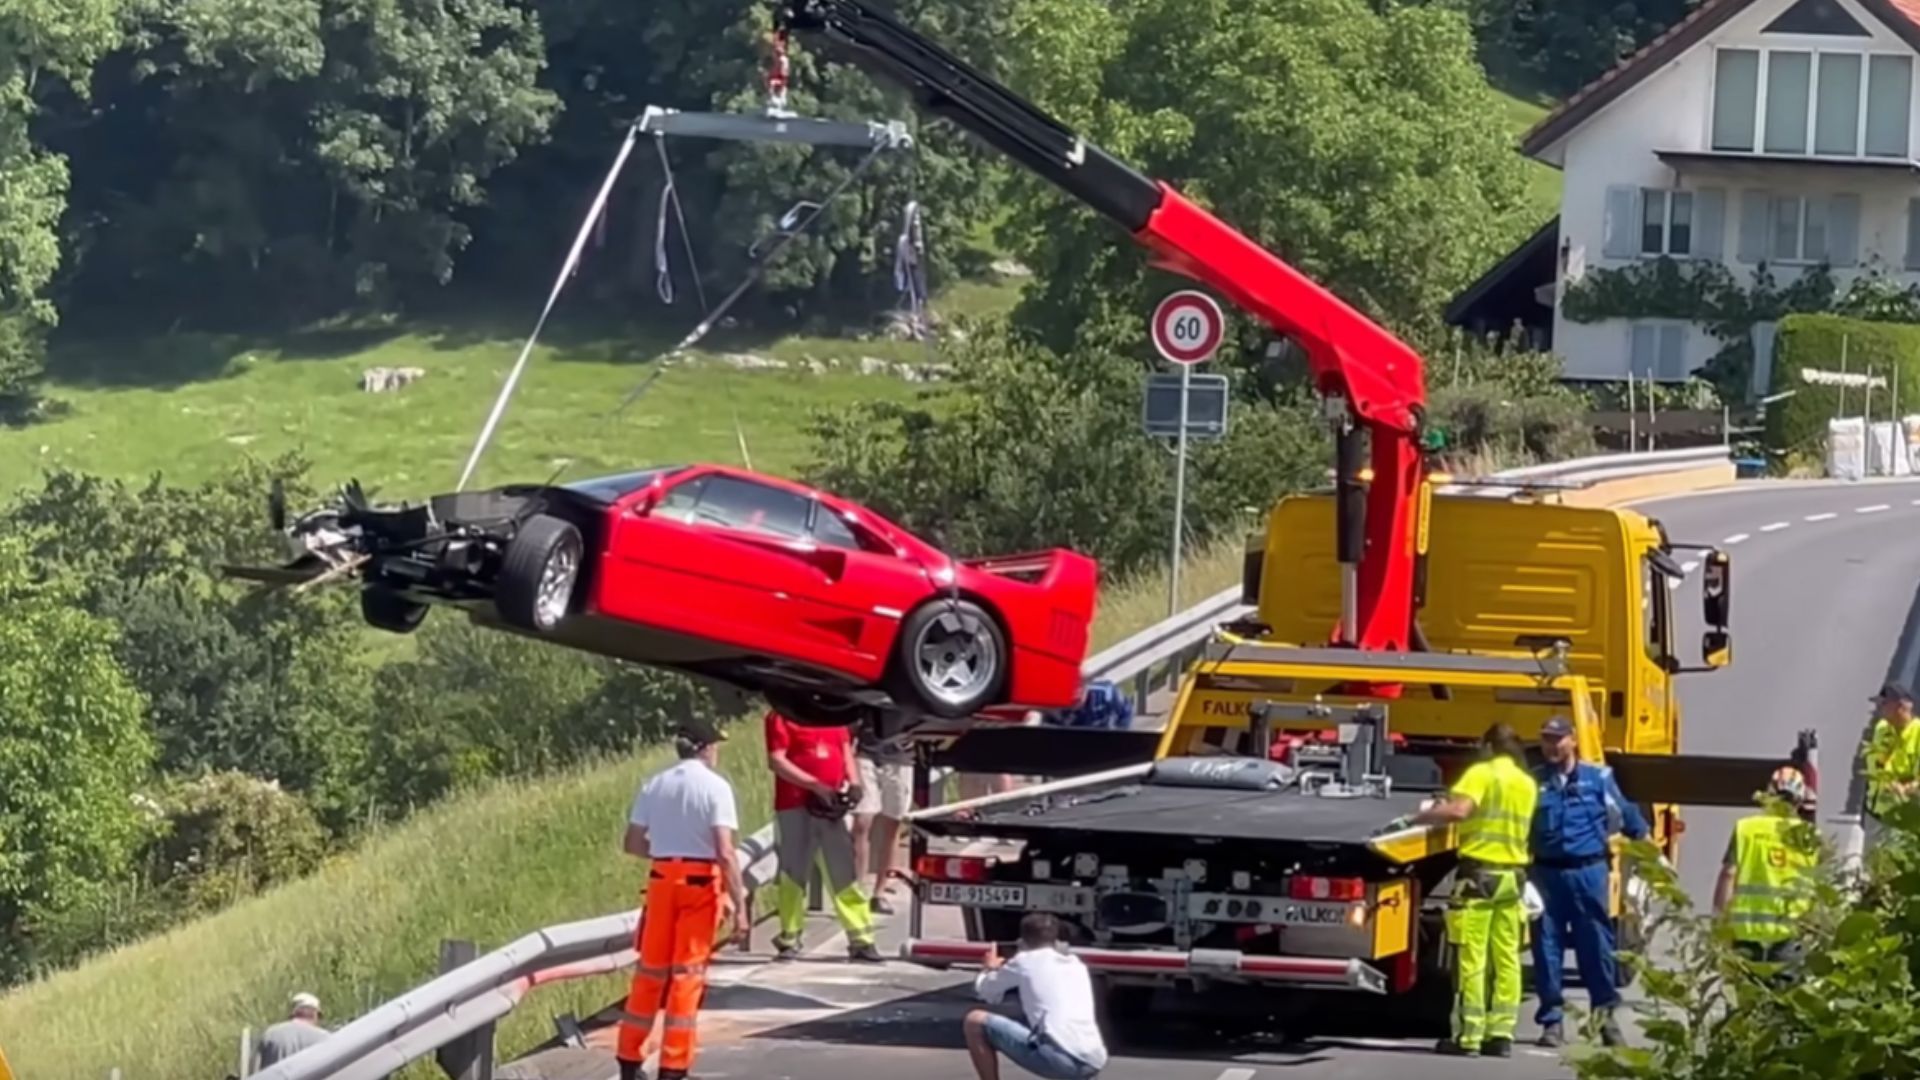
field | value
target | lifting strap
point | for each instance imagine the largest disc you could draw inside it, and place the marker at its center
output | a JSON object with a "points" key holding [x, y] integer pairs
{"points": [[663, 269]]}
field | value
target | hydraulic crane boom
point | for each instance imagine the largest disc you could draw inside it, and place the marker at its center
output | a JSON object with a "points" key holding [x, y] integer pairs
{"points": [[1354, 361]]}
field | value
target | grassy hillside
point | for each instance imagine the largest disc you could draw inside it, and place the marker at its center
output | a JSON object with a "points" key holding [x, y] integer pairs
{"points": [[1521, 114], [193, 403], [490, 865]]}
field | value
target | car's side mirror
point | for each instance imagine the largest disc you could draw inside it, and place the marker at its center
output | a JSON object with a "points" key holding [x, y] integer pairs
{"points": [[1716, 590], [1716, 648]]}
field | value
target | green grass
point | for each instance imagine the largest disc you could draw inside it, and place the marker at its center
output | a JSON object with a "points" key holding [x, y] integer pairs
{"points": [[1543, 180], [489, 865]]}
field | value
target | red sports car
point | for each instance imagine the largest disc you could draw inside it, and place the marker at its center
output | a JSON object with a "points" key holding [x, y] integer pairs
{"points": [[826, 607]]}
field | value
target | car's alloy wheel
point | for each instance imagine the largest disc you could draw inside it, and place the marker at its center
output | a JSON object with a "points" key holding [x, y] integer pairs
{"points": [[954, 657], [540, 573]]}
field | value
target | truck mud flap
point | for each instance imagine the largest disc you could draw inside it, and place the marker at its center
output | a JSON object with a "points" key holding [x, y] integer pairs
{"points": [[1692, 779], [1056, 752]]}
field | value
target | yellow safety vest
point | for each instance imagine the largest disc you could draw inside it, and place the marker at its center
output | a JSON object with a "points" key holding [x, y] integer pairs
{"points": [[1770, 888], [1892, 757], [1503, 796]]}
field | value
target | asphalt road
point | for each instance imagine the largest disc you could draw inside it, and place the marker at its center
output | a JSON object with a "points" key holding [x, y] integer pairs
{"points": [[1824, 583]]}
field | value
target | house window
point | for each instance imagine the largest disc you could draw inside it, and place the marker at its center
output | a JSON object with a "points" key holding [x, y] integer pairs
{"points": [[1658, 349], [1666, 222], [1799, 229], [1799, 101]]}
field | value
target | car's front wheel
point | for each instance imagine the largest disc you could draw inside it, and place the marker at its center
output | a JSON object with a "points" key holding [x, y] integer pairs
{"points": [[951, 658], [539, 573]]}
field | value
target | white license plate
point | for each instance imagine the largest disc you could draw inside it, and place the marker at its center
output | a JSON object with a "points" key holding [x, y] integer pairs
{"points": [[1007, 896]]}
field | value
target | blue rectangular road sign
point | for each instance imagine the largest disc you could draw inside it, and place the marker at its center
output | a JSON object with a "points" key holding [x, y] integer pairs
{"points": [[1206, 406]]}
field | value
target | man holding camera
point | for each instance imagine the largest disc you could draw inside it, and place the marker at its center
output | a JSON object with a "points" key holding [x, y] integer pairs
{"points": [[813, 791]]}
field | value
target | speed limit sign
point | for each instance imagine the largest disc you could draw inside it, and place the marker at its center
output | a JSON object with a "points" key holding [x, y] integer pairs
{"points": [[1187, 327]]}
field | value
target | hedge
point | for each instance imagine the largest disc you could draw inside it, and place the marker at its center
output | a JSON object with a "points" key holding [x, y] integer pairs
{"points": [[1814, 341]]}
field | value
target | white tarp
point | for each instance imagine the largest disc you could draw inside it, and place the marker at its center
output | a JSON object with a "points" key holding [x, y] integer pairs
{"points": [[1856, 450], [1847, 448]]}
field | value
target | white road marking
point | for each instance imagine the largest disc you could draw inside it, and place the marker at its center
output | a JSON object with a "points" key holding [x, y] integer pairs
{"points": [[1830, 517], [1916, 502], [1874, 509], [1235, 1074], [1735, 538], [1775, 527]]}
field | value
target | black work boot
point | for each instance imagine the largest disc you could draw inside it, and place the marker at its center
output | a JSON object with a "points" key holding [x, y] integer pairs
{"points": [[1500, 1048], [786, 949], [864, 952], [1610, 1034], [1452, 1048], [1553, 1035]]}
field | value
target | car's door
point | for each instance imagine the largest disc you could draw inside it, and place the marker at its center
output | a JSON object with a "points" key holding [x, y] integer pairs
{"points": [[722, 557], [868, 588]]}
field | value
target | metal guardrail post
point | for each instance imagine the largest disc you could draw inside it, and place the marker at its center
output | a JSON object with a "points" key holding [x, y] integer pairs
{"points": [[469, 1057]]}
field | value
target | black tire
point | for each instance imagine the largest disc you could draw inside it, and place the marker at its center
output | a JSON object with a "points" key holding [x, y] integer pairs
{"points": [[810, 709], [962, 623], [545, 547], [387, 610]]}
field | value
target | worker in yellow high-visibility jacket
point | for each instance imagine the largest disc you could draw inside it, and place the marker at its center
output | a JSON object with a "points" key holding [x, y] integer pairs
{"points": [[1892, 759], [1764, 889], [1492, 805]]}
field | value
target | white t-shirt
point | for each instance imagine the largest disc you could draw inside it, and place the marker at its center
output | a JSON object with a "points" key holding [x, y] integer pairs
{"points": [[1056, 993], [681, 807]]}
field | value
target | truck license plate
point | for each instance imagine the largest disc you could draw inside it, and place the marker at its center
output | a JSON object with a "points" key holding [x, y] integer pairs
{"points": [[1010, 896]]}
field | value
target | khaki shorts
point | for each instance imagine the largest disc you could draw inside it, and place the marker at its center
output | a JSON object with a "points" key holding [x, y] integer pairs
{"points": [[886, 790]]}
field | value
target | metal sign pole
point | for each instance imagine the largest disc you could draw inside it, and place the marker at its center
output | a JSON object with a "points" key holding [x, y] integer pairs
{"points": [[1179, 492]]}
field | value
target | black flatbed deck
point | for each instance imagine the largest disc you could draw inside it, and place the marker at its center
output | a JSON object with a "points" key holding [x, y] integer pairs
{"points": [[1201, 813]]}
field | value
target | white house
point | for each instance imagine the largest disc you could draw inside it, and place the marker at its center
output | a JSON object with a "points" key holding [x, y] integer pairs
{"points": [[1775, 131]]}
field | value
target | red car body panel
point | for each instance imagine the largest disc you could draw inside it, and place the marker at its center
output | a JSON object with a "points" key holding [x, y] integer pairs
{"points": [[776, 588]]}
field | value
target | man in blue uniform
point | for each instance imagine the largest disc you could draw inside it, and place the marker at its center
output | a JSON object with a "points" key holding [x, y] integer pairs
{"points": [[1580, 809]]}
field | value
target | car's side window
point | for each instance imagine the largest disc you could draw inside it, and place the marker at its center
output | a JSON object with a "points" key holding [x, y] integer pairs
{"points": [[831, 530], [681, 501], [741, 504]]}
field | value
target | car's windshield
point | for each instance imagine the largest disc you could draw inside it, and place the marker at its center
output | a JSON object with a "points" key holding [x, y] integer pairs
{"points": [[611, 488]]}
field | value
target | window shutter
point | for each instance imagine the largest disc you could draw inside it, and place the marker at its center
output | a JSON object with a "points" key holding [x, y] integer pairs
{"points": [[1673, 352], [1643, 345], [1709, 223], [1843, 231], [1755, 207], [1622, 228], [1913, 234]]}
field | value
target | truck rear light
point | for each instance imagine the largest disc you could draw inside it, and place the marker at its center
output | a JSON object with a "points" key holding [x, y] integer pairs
{"points": [[951, 868], [1309, 887]]}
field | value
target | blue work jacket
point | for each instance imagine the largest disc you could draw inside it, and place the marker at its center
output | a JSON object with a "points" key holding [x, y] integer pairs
{"points": [[1579, 811]]}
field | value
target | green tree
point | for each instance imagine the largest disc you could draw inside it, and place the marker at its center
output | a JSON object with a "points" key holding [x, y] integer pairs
{"points": [[317, 153], [1363, 146], [45, 47], [73, 749]]}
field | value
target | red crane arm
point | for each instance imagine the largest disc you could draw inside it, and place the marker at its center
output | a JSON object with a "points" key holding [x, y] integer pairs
{"points": [[1377, 376]]}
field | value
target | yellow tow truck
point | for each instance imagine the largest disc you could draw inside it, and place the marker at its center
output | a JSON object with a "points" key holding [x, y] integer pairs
{"points": [[1249, 851]]}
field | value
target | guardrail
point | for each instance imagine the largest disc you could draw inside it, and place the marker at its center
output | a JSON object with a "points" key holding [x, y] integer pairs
{"points": [[480, 992]]}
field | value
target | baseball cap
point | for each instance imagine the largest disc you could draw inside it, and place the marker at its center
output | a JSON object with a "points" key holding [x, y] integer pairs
{"points": [[304, 1000], [1558, 727], [700, 732], [1893, 691]]}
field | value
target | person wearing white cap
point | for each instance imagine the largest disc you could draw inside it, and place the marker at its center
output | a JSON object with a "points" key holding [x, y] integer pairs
{"points": [[300, 1030]]}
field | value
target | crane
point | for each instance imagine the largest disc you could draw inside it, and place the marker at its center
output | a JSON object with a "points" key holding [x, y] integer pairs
{"points": [[1372, 382]]}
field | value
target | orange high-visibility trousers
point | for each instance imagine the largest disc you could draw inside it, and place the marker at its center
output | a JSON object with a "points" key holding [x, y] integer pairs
{"points": [[678, 919]]}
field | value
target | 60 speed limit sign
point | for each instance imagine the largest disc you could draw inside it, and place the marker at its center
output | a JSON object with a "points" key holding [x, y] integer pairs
{"points": [[1187, 327]]}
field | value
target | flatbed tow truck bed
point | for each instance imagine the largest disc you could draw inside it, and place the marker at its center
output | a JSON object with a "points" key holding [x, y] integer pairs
{"points": [[1137, 809]]}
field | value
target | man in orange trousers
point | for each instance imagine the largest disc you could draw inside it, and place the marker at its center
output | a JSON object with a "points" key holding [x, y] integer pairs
{"points": [[684, 820]]}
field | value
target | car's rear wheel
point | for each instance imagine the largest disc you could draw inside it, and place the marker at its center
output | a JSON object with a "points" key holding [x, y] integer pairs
{"points": [[539, 574], [951, 658], [387, 610]]}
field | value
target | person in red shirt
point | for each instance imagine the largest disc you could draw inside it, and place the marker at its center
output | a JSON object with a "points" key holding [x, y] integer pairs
{"points": [[813, 788]]}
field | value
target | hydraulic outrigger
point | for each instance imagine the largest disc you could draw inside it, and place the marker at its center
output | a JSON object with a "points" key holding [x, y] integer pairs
{"points": [[1373, 382]]}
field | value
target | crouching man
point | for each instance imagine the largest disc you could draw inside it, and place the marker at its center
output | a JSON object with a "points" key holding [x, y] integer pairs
{"points": [[1060, 1040]]}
